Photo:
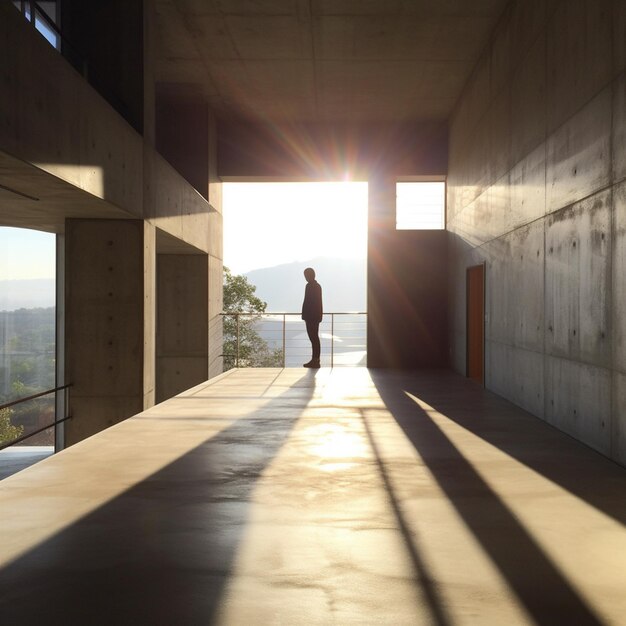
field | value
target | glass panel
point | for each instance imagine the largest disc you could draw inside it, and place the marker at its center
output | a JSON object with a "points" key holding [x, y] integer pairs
{"points": [[42, 25], [46, 14]]}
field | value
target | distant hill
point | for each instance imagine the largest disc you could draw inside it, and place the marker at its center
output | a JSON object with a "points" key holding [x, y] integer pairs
{"points": [[27, 294], [343, 284]]}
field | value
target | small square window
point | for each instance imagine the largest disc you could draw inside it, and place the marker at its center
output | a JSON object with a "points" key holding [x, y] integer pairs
{"points": [[421, 205]]}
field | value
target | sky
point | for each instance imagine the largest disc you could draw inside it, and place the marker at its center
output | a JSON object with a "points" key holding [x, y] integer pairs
{"points": [[268, 224], [26, 254], [265, 224]]}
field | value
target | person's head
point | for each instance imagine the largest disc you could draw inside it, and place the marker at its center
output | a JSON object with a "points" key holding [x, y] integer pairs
{"points": [[309, 274]]}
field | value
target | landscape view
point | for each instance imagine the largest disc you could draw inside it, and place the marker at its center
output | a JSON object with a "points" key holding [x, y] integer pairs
{"points": [[27, 358], [288, 227], [342, 331]]}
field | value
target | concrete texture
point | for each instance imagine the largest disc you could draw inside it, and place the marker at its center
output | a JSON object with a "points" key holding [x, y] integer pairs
{"points": [[72, 162], [341, 496], [324, 61], [64, 145], [542, 208], [406, 278], [182, 342], [107, 287]]}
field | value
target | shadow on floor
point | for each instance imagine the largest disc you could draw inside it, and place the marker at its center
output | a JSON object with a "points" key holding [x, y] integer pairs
{"points": [[161, 552], [539, 585]]}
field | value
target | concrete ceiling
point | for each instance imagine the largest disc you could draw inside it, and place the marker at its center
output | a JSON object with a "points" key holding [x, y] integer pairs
{"points": [[319, 61]]}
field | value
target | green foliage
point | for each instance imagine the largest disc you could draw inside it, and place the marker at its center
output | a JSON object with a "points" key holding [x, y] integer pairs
{"points": [[253, 350], [27, 366], [8, 432], [28, 355]]}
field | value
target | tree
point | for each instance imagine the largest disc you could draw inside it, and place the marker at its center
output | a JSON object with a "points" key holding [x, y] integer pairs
{"points": [[8, 432], [252, 349]]}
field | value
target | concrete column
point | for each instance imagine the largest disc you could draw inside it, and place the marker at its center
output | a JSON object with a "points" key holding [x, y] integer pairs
{"points": [[216, 327], [182, 328], [407, 300], [149, 315], [216, 255], [109, 335]]}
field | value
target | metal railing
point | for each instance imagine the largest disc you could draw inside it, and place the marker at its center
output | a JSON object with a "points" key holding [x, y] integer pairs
{"points": [[66, 405], [278, 339]]}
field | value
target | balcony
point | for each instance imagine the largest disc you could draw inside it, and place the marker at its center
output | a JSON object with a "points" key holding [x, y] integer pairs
{"points": [[340, 495], [280, 339]]}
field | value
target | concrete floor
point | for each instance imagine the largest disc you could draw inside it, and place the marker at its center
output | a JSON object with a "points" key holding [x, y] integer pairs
{"points": [[318, 497]]}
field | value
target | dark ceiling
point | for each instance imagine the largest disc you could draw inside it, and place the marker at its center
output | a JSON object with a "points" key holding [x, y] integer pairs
{"points": [[320, 61]]}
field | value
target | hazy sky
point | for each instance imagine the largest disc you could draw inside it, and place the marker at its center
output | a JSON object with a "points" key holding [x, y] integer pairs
{"points": [[26, 254], [267, 224]]}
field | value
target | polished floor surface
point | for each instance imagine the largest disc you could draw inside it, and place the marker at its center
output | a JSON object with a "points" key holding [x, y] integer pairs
{"points": [[341, 496]]}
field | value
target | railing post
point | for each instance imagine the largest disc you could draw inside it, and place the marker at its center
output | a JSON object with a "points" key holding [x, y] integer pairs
{"points": [[284, 344], [237, 340], [332, 339]]}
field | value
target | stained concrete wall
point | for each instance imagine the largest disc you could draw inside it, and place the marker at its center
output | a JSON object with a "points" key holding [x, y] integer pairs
{"points": [[537, 191]]}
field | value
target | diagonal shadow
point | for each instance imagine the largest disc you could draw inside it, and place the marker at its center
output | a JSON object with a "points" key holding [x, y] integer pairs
{"points": [[542, 589], [161, 552], [557, 456], [426, 583]]}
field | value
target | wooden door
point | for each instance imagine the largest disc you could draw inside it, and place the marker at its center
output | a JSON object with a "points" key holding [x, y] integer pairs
{"points": [[476, 323]]}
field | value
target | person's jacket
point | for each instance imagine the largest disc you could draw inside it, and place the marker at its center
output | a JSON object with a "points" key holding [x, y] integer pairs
{"points": [[312, 306]]}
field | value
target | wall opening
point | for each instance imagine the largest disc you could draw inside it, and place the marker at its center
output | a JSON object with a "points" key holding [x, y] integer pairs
{"points": [[272, 232], [421, 204], [28, 359]]}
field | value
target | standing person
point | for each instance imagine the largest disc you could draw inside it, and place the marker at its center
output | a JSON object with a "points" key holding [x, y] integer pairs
{"points": [[312, 314]]}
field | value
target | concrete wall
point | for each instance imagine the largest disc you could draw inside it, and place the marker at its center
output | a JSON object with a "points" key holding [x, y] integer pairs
{"points": [[182, 330], [330, 151], [182, 135], [60, 130], [108, 294], [537, 191], [114, 70], [52, 119], [406, 287]]}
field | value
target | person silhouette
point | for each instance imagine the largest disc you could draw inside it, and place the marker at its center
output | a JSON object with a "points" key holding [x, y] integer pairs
{"points": [[312, 313]]}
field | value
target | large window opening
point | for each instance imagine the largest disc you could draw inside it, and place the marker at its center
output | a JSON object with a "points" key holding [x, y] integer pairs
{"points": [[272, 232], [27, 345]]}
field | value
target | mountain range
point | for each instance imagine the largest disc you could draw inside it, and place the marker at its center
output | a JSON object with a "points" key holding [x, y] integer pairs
{"points": [[282, 287], [343, 284], [27, 294]]}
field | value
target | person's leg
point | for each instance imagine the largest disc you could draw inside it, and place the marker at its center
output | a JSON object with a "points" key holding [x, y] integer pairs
{"points": [[312, 330]]}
